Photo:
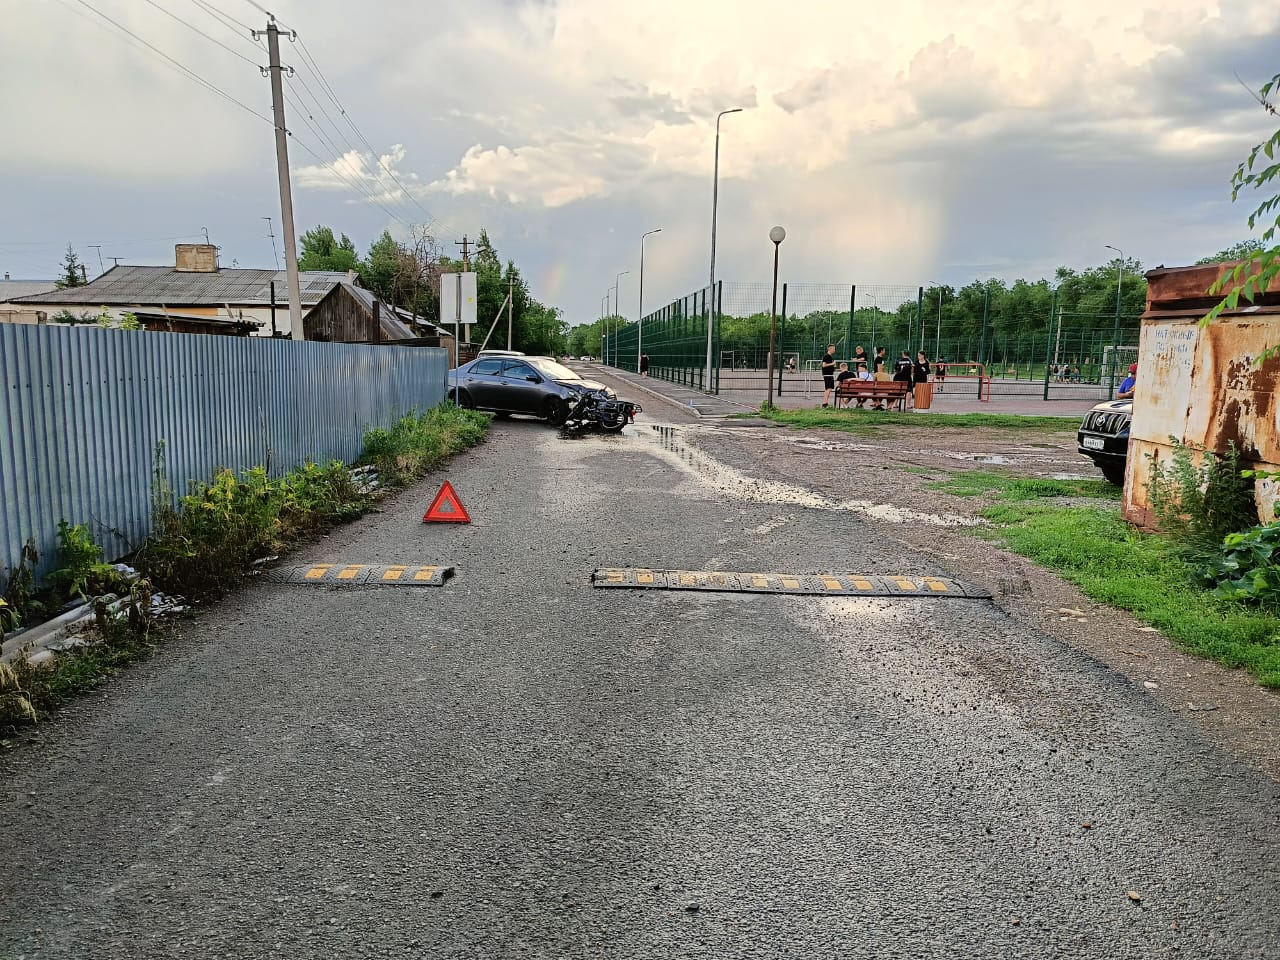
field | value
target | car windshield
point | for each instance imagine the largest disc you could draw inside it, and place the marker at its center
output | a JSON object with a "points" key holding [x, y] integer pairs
{"points": [[552, 370]]}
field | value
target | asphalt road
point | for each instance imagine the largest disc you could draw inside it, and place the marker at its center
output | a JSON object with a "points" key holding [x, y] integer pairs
{"points": [[517, 765]]}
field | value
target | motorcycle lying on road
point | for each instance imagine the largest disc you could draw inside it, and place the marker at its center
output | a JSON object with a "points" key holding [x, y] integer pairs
{"points": [[594, 411]]}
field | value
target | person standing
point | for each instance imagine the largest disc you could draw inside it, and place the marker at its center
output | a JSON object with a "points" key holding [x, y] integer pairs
{"points": [[828, 374], [880, 361], [644, 364], [859, 363], [920, 377], [1128, 384]]}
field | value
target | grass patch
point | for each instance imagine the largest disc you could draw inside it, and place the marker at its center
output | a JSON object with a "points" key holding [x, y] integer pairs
{"points": [[975, 483], [30, 692], [868, 422], [1114, 564], [420, 442]]}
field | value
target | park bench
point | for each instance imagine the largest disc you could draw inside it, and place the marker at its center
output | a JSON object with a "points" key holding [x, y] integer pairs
{"points": [[877, 391]]}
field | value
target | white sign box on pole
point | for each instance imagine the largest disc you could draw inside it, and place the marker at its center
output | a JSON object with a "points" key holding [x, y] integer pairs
{"points": [[458, 299]]}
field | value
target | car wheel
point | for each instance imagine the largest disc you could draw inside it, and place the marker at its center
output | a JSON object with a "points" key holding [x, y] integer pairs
{"points": [[463, 399], [1114, 472], [554, 411]]}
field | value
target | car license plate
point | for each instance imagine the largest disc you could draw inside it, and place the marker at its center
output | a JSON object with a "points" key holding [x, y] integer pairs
{"points": [[1093, 443]]}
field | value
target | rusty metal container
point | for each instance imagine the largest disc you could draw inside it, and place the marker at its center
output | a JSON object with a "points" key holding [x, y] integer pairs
{"points": [[1203, 385]]}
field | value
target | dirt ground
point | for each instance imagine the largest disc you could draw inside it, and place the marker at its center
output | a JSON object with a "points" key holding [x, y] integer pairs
{"points": [[895, 467]]}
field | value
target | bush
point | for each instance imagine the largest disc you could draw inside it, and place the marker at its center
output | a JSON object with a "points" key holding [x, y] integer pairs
{"points": [[81, 572], [1247, 567], [1199, 505], [419, 442]]}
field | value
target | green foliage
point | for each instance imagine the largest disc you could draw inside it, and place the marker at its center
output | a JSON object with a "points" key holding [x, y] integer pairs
{"points": [[19, 599], [322, 251], [1260, 266], [72, 319], [81, 573], [1112, 563], [1248, 567], [1200, 503], [419, 442], [974, 483], [1237, 251], [72, 270], [201, 546]]}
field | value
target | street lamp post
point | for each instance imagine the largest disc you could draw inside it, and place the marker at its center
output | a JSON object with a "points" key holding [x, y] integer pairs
{"points": [[604, 327], [715, 200], [640, 320], [937, 337], [777, 235], [1115, 330], [617, 315]]}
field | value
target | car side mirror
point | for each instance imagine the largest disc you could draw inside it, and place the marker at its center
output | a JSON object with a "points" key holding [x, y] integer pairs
{"points": [[533, 378]]}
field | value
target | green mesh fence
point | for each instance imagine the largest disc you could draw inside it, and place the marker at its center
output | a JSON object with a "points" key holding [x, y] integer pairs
{"points": [[1052, 354]]}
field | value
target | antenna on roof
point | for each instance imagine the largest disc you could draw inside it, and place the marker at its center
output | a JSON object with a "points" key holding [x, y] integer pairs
{"points": [[206, 235], [272, 235]]}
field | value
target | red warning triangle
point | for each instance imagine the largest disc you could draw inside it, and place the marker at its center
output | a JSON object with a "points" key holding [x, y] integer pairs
{"points": [[446, 507]]}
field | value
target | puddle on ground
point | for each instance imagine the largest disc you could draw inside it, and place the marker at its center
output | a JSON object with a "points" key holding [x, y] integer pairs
{"points": [[669, 443]]}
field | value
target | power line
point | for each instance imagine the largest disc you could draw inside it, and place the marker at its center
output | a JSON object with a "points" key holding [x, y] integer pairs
{"points": [[214, 40], [339, 152], [310, 61], [191, 74], [227, 21], [270, 15]]}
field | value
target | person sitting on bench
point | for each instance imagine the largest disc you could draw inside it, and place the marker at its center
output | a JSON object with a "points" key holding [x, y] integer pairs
{"points": [[844, 374]]}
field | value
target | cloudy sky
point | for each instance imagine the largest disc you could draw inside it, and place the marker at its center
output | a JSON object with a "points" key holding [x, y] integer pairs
{"points": [[897, 143]]}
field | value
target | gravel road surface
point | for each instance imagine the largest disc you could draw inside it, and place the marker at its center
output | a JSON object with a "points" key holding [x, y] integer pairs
{"points": [[517, 765]]}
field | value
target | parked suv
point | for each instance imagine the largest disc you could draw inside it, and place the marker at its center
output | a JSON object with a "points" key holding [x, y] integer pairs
{"points": [[1104, 437]]}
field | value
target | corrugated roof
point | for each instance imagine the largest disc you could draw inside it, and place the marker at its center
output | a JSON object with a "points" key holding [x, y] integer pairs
{"points": [[10, 289], [124, 286]]}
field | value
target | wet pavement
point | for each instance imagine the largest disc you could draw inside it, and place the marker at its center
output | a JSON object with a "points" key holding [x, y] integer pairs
{"points": [[517, 765]]}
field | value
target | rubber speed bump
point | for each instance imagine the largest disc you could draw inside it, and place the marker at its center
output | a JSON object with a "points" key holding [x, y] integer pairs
{"points": [[800, 584], [362, 574]]}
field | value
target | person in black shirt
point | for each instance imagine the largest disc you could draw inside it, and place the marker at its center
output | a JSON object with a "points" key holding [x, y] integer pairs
{"points": [[860, 361], [828, 374], [880, 361], [844, 374], [921, 373]]}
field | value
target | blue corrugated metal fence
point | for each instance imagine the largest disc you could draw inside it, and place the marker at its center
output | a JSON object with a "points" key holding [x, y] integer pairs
{"points": [[83, 409]]}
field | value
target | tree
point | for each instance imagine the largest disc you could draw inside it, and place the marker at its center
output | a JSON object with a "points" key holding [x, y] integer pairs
{"points": [[321, 251], [72, 271], [1253, 275], [1237, 251]]}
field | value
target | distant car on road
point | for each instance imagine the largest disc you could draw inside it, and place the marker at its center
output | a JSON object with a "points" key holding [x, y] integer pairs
{"points": [[537, 386], [586, 359], [1104, 437]]}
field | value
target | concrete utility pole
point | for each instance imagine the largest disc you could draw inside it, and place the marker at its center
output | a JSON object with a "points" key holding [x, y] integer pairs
{"points": [[464, 243], [282, 171], [511, 292]]}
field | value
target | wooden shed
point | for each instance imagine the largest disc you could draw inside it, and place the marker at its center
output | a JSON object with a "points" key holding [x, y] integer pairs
{"points": [[352, 314]]}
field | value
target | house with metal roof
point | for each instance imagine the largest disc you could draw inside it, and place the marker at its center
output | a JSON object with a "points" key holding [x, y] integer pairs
{"points": [[11, 290], [194, 295]]}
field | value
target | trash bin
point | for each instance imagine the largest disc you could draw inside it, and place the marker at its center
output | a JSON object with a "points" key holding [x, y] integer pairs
{"points": [[924, 396]]}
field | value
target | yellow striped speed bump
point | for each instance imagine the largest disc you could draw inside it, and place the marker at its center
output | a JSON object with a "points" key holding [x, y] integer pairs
{"points": [[801, 584], [362, 574]]}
